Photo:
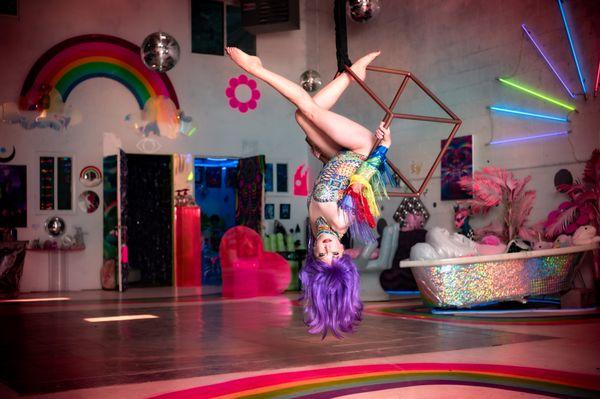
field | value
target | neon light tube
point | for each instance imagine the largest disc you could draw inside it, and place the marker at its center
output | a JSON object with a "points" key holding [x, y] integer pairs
{"points": [[547, 60], [597, 79], [121, 318], [532, 137], [568, 30], [537, 94], [527, 113]]}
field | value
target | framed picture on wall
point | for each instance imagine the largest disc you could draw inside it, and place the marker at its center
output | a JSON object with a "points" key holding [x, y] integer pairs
{"points": [[213, 177], [282, 177], [55, 189], [457, 163], [269, 211], [284, 211], [231, 177], [277, 178], [268, 177]]}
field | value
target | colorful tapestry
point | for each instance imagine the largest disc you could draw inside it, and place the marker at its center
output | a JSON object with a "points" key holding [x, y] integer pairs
{"points": [[250, 192], [457, 162], [124, 219], [110, 221], [13, 196]]}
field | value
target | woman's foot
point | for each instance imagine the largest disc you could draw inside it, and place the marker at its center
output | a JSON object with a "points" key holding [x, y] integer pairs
{"points": [[360, 66], [245, 61]]}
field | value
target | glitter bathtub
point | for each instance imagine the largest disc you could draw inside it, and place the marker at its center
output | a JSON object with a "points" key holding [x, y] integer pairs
{"points": [[476, 280]]}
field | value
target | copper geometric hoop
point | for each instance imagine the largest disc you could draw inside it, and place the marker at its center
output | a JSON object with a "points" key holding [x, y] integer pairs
{"points": [[390, 115]]}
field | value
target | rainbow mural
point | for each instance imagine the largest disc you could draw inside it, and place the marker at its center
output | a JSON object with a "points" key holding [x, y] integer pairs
{"points": [[340, 381], [80, 58]]}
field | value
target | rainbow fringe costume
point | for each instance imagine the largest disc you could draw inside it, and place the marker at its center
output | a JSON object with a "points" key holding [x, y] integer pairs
{"points": [[336, 183]]}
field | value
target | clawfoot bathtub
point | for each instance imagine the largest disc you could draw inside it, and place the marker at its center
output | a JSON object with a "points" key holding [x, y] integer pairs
{"points": [[476, 280]]}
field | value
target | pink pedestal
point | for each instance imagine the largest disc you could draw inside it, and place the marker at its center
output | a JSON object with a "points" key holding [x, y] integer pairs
{"points": [[188, 247]]}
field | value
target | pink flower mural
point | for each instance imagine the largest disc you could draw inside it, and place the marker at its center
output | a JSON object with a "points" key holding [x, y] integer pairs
{"points": [[234, 99]]}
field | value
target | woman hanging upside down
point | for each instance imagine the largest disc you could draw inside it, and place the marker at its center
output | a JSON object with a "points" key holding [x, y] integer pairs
{"points": [[343, 195]]}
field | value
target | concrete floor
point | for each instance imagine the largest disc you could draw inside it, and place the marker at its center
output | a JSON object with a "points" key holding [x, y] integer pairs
{"points": [[195, 339]]}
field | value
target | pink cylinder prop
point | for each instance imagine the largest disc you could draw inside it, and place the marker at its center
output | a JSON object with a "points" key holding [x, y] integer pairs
{"points": [[188, 247]]}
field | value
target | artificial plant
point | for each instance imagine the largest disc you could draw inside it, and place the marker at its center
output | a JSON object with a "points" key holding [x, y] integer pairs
{"points": [[583, 205], [492, 187]]}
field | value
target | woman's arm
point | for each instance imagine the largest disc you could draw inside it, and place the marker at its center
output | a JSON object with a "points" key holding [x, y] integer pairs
{"points": [[366, 187], [375, 162]]}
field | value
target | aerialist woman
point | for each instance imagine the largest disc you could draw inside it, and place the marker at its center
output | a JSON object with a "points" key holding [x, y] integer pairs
{"points": [[343, 195]]}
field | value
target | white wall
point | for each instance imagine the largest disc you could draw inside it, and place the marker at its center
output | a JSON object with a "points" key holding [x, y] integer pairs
{"points": [[199, 80], [458, 48]]}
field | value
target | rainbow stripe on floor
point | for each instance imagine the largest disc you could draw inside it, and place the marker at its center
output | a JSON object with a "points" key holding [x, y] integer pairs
{"points": [[338, 381], [422, 313]]}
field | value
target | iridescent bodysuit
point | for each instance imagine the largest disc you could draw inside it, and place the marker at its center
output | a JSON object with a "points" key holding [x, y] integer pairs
{"points": [[366, 176], [334, 178]]}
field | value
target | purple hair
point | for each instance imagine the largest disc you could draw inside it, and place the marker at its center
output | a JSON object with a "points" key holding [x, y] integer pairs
{"points": [[331, 295]]}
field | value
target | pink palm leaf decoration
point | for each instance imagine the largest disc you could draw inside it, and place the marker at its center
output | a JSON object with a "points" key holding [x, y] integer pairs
{"points": [[583, 206], [494, 186]]}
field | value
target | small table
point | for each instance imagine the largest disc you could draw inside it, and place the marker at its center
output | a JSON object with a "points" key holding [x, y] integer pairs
{"points": [[58, 279]]}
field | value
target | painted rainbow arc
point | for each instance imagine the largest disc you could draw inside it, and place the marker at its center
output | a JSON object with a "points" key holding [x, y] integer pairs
{"points": [[80, 58], [339, 381]]}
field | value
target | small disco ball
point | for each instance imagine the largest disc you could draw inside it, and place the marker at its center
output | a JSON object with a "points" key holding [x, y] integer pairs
{"points": [[363, 10], [160, 51], [311, 81]]}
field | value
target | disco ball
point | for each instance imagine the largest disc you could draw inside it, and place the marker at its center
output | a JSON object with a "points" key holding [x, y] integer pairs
{"points": [[311, 81], [55, 226], [363, 10], [160, 51]]}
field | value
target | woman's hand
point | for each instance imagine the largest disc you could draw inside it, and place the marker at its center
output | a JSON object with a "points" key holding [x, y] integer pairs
{"points": [[383, 133], [315, 151]]}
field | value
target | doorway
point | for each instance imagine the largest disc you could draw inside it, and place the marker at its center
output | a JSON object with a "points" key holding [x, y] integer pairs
{"points": [[230, 193], [138, 221], [215, 193], [147, 215]]}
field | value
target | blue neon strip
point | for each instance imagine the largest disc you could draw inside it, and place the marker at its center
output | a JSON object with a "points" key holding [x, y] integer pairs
{"points": [[404, 292], [526, 113], [216, 162], [532, 137], [564, 18], [547, 60]]}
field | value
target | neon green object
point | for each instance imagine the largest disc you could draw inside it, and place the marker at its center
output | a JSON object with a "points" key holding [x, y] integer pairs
{"points": [[536, 94]]}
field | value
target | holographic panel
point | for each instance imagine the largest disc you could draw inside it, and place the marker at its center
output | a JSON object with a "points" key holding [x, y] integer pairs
{"points": [[479, 283]]}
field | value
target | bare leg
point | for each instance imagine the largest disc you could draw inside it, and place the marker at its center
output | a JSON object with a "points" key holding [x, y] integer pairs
{"points": [[329, 95], [326, 98], [343, 131]]}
